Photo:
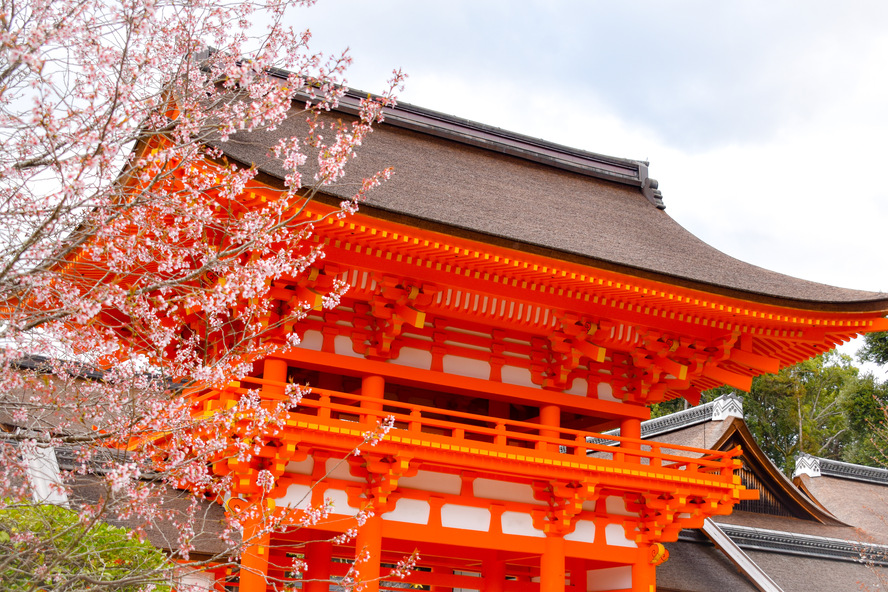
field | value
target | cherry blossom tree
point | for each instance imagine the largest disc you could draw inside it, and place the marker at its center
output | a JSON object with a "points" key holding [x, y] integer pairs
{"points": [[127, 251]]}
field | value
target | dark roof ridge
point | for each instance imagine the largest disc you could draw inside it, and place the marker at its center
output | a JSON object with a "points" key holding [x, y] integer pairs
{"points": [[472, 133], [815, 466], [777, 541], [725, 406]]}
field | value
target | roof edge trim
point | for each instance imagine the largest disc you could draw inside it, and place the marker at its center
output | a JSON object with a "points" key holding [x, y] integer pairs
{"points": [[775, 541], [815, 466], [713, 411], [434, 123]]}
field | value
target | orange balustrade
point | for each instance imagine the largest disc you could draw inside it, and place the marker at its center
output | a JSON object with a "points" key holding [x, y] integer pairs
{"points": [[431, 424]]}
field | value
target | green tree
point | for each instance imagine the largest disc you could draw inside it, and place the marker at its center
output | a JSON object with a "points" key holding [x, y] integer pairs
{"points": [[46, 547], [804, 408], [822, 406], [875, 348], [865, 408]]}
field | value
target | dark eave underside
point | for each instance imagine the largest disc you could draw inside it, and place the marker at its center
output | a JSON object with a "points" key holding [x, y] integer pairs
{"points": [[453, 186]]}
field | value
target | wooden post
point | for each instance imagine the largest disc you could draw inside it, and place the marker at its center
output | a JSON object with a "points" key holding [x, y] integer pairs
{"points": [[644, 574], [254, 561], [576, 567], [374, 387], [631, 428], [274, 369], [318, 557], [368, 549], [550, 416], [552, 565], [494, 573], [437, 569]]}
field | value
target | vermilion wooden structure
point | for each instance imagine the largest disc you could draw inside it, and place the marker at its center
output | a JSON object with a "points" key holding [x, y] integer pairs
{"points": [[499, 367], [501, 363]]}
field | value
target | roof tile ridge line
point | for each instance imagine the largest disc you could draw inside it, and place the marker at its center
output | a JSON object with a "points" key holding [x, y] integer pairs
{"points": [[798, 543], [758, 531], [841, 469], [356, 94], [502, 132], [634, 172], [667, 423], [749, 535]]}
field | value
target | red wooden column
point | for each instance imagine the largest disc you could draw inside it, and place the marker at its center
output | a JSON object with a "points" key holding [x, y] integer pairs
{"points": [[274, 369], [368, 544], [254, 561], [318, 557], [441, 571], [644, 573], [631, 428], [550, 416], [373, 387], [494, 572], [552, 574], [368, 549]]}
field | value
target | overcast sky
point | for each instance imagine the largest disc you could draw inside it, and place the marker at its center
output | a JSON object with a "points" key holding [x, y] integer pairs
{"points": [[765, 122]]}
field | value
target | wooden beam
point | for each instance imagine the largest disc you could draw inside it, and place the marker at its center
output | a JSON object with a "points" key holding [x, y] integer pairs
{"points": [[429, 379], [763, 363]]}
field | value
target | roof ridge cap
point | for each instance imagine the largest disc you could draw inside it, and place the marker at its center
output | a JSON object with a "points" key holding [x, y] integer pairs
{"points": [[793, 543], [815, 466]]}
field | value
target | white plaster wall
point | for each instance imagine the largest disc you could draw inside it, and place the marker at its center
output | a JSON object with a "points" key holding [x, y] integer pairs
{"points": [[297, 496], [302, 467], [584, 532], [617, 505], [517, 376], [519, 523], [580, 387], [505, 491], [342, 345], [432, 481], [611, 578], [312, 340], [409, 510], [338, 469], [466, 367], [606, 392], [415, 358], [615, 534], [340, 502], [466, 517]]}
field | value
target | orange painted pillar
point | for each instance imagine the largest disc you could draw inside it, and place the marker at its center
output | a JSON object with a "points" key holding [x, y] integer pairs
{"points": [[373, 387], [440, 570], [368, 549], [644, 574], [631, 428], [254, 561], [318, 557], [274, 369], [576, 567], [552, 574], [494, 573], [550, 416]]}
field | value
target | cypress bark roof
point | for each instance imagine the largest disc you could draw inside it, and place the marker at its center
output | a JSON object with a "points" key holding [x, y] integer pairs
{"points": [[463, 178]]}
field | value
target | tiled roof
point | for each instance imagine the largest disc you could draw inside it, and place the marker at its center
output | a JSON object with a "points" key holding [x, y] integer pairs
{"points": [[459, 177]]}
